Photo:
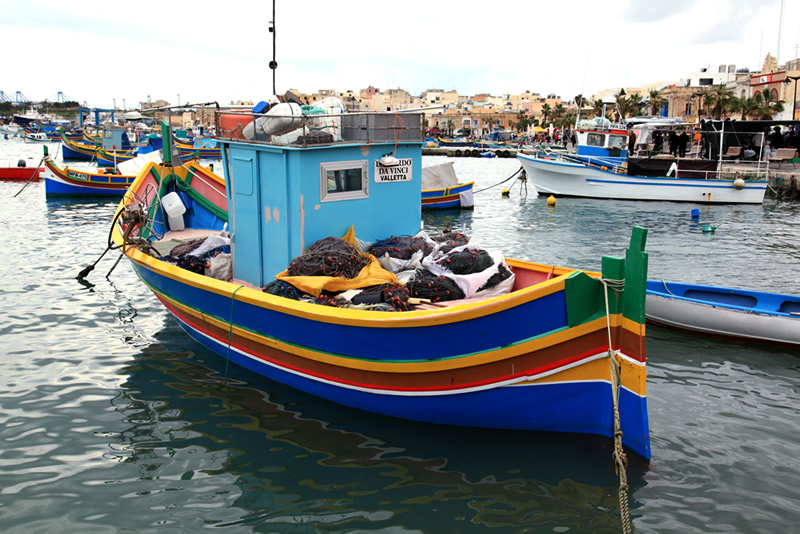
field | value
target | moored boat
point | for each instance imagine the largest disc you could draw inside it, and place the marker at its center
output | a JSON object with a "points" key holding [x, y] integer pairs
{"points": [[559, 351], [602, 168], [74, 182], [755, 316], [20, 173], [442, 190]]}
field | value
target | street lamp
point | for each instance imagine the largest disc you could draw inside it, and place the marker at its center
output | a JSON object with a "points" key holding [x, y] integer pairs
{"points": [[794, 98]]}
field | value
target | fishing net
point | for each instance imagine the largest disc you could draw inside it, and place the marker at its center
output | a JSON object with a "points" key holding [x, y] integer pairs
{"points": [[283, 289], [395, 295], [450, 240], [467, 261], [401, 247], [436, 288], [328, 257]]}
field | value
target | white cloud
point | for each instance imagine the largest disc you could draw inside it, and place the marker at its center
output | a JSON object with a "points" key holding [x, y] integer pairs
{"points": [[215, 51]]}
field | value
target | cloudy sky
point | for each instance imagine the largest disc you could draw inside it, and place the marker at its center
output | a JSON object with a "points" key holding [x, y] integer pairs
{"points": [[109, 52]]}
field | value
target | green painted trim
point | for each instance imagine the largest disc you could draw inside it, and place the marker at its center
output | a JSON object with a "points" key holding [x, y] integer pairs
{"points": [[613, 268], [584, 298], [185, 186], [635, 277]]}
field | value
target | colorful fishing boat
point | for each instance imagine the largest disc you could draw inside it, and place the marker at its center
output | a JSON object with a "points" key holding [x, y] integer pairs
{"points": [[74, 182], [110, 158], [602, 168], [205, 150], [72, 149], [755, 316], [442, 190], [563, 350]]}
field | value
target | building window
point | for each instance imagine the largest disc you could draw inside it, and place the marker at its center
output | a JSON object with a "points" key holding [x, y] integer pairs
{"points": [[343, 180]]}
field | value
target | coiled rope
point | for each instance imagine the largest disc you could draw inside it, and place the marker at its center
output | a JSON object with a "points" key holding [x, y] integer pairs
{"points": [[620, 459]]}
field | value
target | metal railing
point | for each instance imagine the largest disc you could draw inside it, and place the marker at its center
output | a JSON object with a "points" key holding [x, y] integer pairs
{"points": [[306, 130]]}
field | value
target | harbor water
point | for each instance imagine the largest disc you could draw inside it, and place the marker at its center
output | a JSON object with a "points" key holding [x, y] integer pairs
{"points": [[113, 420]]}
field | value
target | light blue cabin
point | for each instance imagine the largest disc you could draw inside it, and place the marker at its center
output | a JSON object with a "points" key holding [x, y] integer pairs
{"points": [[284, 197]]}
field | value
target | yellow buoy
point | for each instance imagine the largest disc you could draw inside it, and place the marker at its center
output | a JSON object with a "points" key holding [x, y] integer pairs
{"points": [[551, 200]]}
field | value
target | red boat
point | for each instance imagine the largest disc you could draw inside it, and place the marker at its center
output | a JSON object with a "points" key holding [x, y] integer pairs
{"points": [[20, 173]]}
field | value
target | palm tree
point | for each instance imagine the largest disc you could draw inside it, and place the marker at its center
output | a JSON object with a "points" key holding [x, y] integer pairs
{"points": [[597, 107], [545, 111], [579, 101], [720, 101], [559, 111], [656, 101], [523, 121], [772, 106], [636, 104]]}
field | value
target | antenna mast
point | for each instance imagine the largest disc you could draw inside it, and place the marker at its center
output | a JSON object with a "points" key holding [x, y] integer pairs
{"points": [[273, 64]]}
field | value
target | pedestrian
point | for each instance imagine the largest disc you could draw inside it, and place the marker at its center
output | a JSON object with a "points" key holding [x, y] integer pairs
{"points": [[631, 142], [776, 139], [683, 140], [673, 143]]}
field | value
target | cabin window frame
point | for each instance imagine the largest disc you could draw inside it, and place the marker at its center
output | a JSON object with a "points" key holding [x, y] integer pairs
{"points": [[618, 141], [592, 137], [326, 195]]}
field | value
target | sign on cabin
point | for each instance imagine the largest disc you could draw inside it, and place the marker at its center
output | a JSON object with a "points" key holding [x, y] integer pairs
{"points": [[394, 173]]}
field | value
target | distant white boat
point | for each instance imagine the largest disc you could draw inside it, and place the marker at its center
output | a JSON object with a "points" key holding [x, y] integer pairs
{"points": [[601, 168]]}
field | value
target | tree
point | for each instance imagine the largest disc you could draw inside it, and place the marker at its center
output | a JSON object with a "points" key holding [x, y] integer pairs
{"points": [[559, 111], [720, 101], [522, 122], [545, 112], [656, 101], [579, 101], [597, 107]]}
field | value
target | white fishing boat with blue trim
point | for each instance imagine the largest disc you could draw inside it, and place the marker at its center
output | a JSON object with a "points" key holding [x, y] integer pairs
{"points": [[602, 168]]}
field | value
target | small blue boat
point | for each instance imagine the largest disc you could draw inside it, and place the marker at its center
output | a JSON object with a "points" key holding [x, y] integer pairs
{"points": [[722, 311]]}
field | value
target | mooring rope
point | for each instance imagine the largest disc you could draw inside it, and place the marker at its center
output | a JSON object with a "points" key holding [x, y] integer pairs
{"points": [[230, 333], [620, 459], [500, 183]]}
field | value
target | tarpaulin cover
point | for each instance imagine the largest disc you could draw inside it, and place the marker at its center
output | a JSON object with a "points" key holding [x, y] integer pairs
{"points": [[439, 176]]}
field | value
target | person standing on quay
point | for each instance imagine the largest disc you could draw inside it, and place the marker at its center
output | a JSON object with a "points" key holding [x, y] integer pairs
{"points": [[683, 140], [673, 143]]}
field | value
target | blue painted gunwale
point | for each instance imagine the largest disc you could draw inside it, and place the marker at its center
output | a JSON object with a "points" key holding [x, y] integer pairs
{"points": [[726, 297]]}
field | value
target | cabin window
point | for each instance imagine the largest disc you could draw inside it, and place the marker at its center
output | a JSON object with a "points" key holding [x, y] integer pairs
{"points": [[596, 139], [617, 141], [343, 180]]}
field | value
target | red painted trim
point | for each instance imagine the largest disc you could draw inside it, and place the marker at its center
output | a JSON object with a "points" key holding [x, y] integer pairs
{"points": [[306, 372]]}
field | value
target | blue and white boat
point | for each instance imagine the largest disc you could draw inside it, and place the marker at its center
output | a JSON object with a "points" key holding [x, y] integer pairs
{"points": [[722, 311], [602, 168]]}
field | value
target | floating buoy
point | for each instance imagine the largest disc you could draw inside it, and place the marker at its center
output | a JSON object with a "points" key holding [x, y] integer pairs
{"points": [[707, 228], [738, 184], [505, 192], [695, 214], [551, 200]]}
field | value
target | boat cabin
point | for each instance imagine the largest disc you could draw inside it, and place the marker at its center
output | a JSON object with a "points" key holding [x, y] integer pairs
{"points": [[292, 180], [602, 141], [115, 138]]}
